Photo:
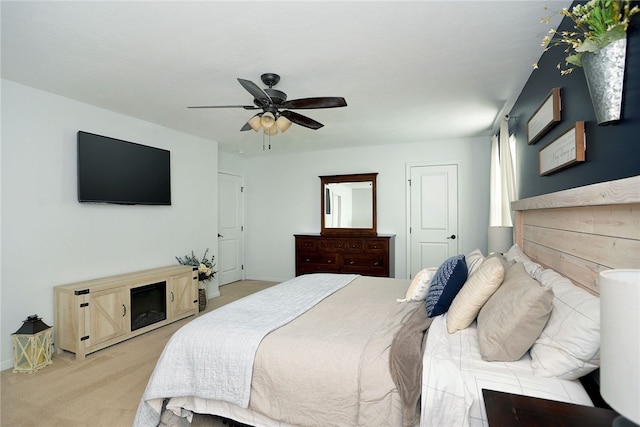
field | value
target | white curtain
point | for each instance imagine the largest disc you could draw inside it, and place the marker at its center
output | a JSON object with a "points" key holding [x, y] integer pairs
{"points": [[495, 193], [503, 182]]}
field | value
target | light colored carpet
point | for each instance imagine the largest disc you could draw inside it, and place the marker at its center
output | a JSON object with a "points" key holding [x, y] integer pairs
{"points": [[106, 387]]}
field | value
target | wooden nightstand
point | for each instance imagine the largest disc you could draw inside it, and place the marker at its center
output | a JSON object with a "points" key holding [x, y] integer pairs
{"points": [[507, 410]]}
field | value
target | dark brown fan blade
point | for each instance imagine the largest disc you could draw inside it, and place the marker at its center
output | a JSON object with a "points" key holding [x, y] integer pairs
{"points": [[313, 103], [255, 90], [301, 120], [246, 107]]}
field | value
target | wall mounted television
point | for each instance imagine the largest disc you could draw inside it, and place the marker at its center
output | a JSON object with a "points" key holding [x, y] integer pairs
{"points": [[115, 171]]}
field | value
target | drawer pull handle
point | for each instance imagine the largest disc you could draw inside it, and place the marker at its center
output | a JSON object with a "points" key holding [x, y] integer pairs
{"points": [[376, 263], [329, 261], [172, 296], [307, 260], [124, 310], [351, 262]]}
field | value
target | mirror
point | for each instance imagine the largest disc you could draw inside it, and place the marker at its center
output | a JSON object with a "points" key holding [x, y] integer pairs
{"points": [[348, 204]]}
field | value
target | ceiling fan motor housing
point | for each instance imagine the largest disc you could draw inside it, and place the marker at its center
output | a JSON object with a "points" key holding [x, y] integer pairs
{"points": [[270, 79], [277, 96]]}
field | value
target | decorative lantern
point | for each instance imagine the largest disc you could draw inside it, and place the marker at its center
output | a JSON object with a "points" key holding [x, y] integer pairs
{"points": [[32, 345]]}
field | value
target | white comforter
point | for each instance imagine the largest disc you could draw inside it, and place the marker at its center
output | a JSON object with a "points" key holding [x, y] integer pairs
{"points": [[329, 367], [212, 356]]}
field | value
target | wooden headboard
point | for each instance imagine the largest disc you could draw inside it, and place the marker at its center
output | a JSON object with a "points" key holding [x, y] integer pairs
{"points": [[582, 231]]}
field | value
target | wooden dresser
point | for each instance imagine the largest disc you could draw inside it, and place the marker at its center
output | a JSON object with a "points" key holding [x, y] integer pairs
{"points": [[368, 255]]}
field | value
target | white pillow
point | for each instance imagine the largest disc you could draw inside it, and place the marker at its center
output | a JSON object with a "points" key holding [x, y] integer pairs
{"points": [[515, 254], [474, 293], [569, 346], [474, 259], [419, 286]]}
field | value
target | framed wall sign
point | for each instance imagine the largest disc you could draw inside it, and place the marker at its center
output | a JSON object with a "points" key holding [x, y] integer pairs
{"points": [[566, 150], [546, 116]]}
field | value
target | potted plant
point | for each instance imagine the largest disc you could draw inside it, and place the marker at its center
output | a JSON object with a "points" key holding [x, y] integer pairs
{"points": [[598, 44], [205, 273]]}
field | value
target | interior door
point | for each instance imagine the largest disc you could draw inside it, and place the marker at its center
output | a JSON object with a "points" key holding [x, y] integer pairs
{"points": [[230, 228], [433, 229]]}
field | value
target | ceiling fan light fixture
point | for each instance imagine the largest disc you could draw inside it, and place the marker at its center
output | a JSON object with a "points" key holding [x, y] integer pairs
{"points": [[254, 122], [273, 130], [267, 120], [283, 124]]}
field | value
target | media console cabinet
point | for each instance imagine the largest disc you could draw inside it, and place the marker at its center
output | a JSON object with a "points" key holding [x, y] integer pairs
{"points": [[95, 314]]}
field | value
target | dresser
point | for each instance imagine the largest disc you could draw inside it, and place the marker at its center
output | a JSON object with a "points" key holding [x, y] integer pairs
{"points": [[368, 255]]}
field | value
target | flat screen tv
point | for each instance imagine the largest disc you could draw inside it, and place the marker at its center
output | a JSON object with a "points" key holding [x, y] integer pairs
{"points": [[121, 172]]}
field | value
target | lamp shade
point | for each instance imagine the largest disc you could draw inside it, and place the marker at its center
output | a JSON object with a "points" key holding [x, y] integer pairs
{"points": [[273, 130], [500, 239], [254, 122], [620, 341], [267, 120], [283, 124]]}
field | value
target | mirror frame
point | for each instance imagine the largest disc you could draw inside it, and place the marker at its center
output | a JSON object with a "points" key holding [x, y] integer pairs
{"points": [[360, 177]]}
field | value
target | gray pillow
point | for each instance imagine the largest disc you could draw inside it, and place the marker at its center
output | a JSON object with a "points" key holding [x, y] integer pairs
{"points": [[513, 318]]}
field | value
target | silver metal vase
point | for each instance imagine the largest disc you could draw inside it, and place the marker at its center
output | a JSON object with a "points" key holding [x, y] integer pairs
{"points": [[605, 77]]}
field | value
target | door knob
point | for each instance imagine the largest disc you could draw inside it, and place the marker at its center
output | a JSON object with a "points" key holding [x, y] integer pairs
{"points": [[452, 237]]}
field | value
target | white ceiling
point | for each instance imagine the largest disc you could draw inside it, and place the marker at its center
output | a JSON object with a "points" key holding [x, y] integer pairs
{"points": [[409, 71]]}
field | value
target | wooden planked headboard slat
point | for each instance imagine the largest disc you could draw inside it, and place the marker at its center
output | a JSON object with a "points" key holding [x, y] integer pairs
{"points": [[582, 231]]}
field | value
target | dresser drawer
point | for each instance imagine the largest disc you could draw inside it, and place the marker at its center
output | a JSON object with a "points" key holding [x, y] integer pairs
{"points": [[342, 245], [366, 265], [313, 262], [306, 245], [380, 246]]}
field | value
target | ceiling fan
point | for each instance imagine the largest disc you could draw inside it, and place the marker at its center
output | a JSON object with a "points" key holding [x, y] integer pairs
{"points": [[276, 114]]}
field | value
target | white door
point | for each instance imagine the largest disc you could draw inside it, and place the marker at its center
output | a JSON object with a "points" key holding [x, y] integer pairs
{"points": [[230, 228], [433, 222]]}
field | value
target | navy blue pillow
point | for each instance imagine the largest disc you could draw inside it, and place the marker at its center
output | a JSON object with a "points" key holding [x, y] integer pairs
{"points": [[446, 284]]}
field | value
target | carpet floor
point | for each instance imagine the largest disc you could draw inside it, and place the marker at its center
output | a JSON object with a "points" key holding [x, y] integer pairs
{"points": [[106, 387]]}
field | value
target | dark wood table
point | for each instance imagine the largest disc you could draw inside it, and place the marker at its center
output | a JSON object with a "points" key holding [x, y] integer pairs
{"points": [[507, 410]]}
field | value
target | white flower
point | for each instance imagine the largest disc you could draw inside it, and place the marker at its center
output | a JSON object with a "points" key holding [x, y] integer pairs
{"points": [[204, 269]]}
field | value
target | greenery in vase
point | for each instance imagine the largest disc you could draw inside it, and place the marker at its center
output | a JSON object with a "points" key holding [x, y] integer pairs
{"points": [[205, 265], [597, 23]]}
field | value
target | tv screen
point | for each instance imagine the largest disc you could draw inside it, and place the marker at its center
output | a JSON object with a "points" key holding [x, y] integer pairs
{"points": [[115, 171]]}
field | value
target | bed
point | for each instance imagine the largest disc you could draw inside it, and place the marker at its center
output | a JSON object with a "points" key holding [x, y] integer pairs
{"points": [[382, 362]]}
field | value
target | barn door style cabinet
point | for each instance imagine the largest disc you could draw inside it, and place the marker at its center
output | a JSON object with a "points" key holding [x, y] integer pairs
{"points": [[95, 314]]}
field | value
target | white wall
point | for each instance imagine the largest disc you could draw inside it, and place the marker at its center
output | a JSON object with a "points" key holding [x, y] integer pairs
{"points": [[283, 196], [48, 238]]}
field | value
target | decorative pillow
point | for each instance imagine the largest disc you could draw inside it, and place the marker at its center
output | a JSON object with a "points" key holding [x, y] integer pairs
{"points": [[515, 254], [569, 346], [513, 318], [474, 259], [474, 294], [445, 285], [420, 285]]}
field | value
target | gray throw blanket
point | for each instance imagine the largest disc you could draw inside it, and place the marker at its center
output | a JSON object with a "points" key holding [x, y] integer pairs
{"points": [[405, 363]]}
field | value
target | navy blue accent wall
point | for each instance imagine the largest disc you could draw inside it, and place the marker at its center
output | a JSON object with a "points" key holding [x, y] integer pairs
{"points": [[613, 151]]}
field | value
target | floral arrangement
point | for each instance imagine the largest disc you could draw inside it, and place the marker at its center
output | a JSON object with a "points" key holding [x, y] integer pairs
{"points": [[597, 24], [205, 266]]}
